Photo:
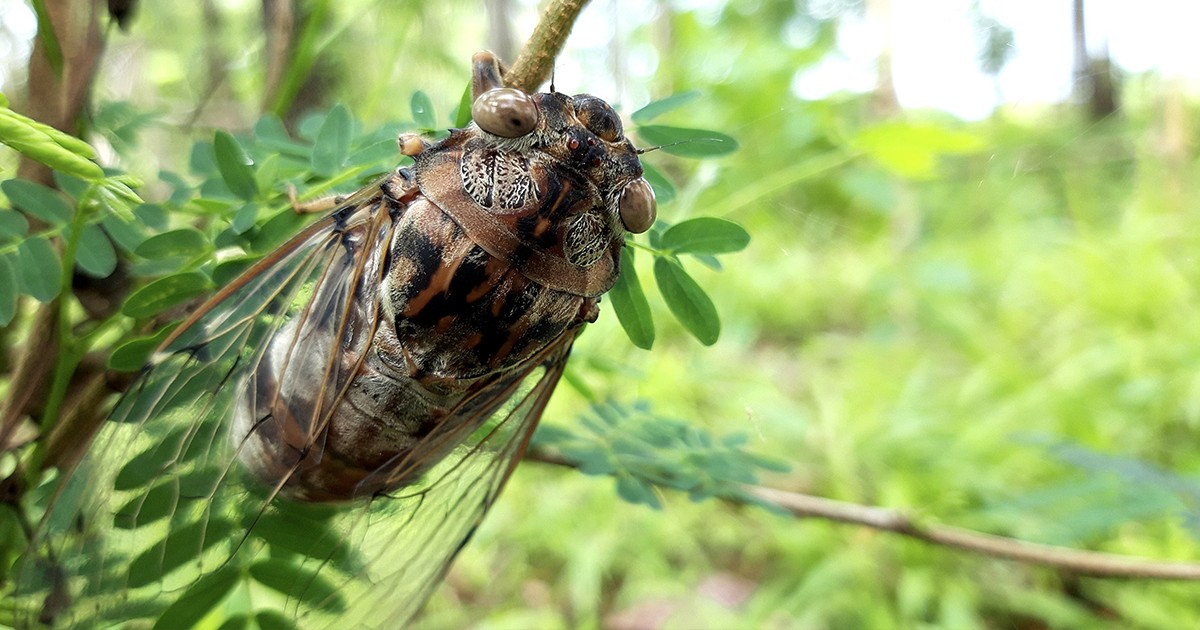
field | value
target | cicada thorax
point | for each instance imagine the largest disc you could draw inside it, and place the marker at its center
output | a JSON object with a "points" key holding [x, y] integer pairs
{"points": [[498, 252]]}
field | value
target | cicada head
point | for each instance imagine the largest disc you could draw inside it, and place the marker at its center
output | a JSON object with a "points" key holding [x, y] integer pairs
{"points": [[548, 182]]}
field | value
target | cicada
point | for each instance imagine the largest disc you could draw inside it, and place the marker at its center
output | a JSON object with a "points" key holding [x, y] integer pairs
{"points": [[319, 439]]}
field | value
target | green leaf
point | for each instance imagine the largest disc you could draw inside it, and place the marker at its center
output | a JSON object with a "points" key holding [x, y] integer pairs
{"points": [[158, 503], [73, 186], [332, 144], [181, 243], [688, 142], [165, 293], [179, 547], [274, 620], [8, 290], [244, 218], [38, 201], [147, 465], [199, 599], [422, 110], [12, 224], [664, 190], [234, 165], [236, 622], [228, 270], [132, 355], [462, 116], [630, 305], [40, 270], [266, 176], [636, 491], [95, 255], [687, 301], [705, 235], [298, 583], [269, 133], [305, 536], [276, 230], [657, 108], [116, 195], [48, 145]]}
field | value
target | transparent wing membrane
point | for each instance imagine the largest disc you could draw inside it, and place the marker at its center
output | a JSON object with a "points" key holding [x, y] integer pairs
{"points": [[162, 522]]}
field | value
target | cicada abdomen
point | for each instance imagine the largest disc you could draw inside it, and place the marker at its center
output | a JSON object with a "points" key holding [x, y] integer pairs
{"points": [[391, 361]]}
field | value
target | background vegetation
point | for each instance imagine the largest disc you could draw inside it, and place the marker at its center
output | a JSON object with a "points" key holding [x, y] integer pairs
{"points": [[991, 324]]}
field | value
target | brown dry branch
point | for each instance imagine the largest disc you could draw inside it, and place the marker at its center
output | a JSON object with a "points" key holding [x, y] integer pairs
{"points": [[1066, 559]]}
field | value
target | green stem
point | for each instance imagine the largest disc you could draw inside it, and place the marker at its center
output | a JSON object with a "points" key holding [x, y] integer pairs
{"points": [[69, 352]]}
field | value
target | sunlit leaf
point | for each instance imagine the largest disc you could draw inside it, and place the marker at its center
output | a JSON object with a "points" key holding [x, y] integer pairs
{"points": [[332, 144], [237, 622], [199, 599], [664, 190], [181, 243], [158, 503], [266, 175], [687, 301], [630, 305], [313, 539], [234, 165], [422, 110], [39, 269], [180, 546], [48, 145], [95, 255], [657, 108], [37, 200], [688, 142], [132, 355], [462, 115], [272, 620], [298, 582], [165, 293], [705, 235]]}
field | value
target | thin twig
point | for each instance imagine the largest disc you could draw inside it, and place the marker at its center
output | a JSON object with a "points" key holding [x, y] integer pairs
{"points": [[1092, 563], [1076, 561], [533, 66]]}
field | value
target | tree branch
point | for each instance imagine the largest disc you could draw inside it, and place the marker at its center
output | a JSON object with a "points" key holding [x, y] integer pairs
{"points": [[1076, 561], [533, 66]]}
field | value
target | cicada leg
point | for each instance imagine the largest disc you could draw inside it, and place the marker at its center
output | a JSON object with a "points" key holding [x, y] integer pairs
{"points": [[313, 206]]}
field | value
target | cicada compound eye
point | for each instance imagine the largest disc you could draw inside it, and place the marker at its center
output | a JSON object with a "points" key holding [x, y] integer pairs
{"points": [[505, 112], [599, 117], [638, 207]]}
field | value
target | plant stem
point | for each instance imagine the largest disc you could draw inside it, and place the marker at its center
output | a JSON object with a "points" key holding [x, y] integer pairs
{"points": [[1076, 561], [533, 66]]}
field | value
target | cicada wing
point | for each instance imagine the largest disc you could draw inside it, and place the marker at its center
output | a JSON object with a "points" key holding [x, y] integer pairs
{"points": [[406, 541], [159, 503]]}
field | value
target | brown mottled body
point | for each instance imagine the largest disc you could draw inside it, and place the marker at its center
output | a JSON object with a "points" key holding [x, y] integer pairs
{"points": [[491, 253], [457, 324]]}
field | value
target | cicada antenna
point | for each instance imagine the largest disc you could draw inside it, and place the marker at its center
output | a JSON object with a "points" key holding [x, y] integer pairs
{"points": [[663, 146]]}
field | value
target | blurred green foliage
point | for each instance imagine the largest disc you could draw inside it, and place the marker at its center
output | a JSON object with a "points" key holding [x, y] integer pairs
{"points": [[993, 324]]}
